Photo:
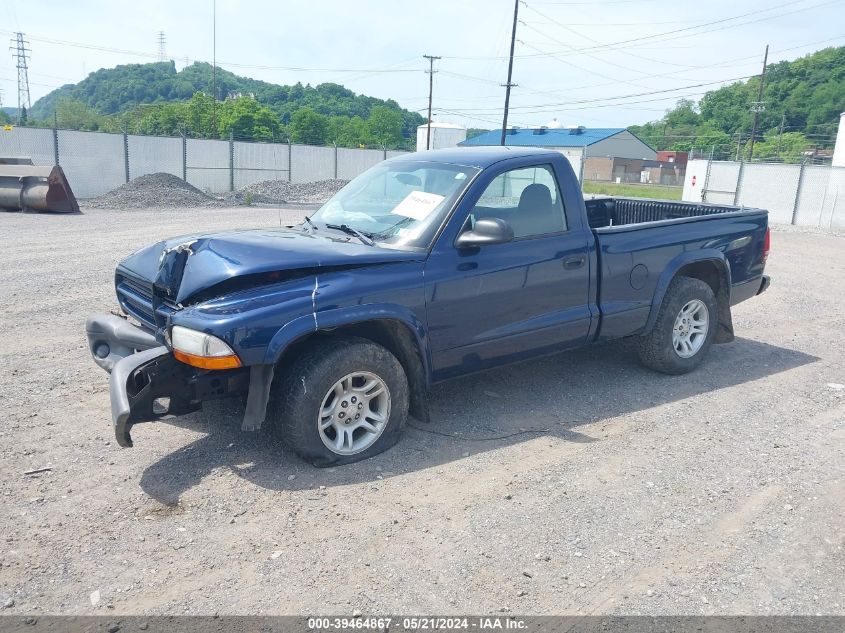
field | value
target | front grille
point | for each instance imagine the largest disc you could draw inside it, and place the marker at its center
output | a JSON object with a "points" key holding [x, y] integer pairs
{"points": [[136, 299]]}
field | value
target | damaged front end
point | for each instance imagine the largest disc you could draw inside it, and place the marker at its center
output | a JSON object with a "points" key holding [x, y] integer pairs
{"points": [[203, 313], [147, 383]]}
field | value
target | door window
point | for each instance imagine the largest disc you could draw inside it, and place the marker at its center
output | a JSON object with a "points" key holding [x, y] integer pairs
{"points": [[527, 198]]}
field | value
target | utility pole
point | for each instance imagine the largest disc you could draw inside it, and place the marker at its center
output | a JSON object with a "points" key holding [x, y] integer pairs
{"points": [[214, 69], [21, 55], [510, 73], [738, 144], [430, 72], [780, 133], [758, 106], [162, 51]]}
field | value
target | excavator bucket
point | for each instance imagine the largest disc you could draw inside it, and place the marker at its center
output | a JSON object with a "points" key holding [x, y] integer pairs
{"points": [[28, 187]]}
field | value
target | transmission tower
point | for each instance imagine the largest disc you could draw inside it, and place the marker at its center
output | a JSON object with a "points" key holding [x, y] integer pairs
{"points": [[162, 50], [21, 55]]}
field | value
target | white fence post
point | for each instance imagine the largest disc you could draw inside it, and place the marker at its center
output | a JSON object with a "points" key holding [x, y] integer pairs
{"points": [[739, 181], [126, 154], [184, 157], [798, 192], [706, 179]]}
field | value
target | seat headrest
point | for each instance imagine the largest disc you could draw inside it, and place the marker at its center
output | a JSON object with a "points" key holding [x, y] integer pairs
{"points": [[535, 195]]}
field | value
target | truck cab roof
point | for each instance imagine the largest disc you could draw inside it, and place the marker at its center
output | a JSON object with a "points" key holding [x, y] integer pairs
{"points": [[481, 157]]}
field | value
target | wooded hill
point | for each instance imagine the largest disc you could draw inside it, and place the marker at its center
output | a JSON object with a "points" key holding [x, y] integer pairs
{"points": [[156, 99], [804, 96]]}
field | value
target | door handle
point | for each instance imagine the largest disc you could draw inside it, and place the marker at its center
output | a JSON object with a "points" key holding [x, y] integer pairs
{"points": [[574, 262]]}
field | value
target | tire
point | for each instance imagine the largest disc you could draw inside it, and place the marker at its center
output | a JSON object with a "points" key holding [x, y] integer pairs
{"points": [[659, 349], [297, 410]]}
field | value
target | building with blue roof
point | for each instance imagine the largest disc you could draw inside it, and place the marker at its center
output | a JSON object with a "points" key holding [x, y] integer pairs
{"points": [[595, 153]]}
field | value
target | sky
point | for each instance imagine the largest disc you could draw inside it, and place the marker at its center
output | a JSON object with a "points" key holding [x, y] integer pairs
{"points": [[599, 63]]}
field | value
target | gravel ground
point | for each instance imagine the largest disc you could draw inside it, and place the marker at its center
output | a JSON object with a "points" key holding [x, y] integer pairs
{"points": [[611, 489], [282, 191]]}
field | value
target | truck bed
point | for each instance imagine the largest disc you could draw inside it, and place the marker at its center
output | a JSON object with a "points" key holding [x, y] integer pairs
{"points": [[639, 240], [603, 212]]}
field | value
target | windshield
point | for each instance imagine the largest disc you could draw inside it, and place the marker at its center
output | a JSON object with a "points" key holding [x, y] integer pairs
{"points": [[399, 203]]}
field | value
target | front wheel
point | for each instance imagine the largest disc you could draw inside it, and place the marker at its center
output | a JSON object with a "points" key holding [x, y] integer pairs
{"points": [[343, 400], [684, 329]]}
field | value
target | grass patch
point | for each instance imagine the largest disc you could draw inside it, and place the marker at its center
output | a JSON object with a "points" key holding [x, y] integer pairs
{"points": [[633, 190]]}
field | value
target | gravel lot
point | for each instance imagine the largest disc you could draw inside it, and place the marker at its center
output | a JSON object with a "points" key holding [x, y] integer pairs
{"points": [[615, 490]]}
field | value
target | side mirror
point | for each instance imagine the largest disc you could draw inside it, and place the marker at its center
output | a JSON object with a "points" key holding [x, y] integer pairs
{"points": [[485, 232]]}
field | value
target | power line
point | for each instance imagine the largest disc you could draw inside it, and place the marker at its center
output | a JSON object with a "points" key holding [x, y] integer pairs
{"points": [[154, 56], [679, 33], [687, 28], [581, 68], [628, 96], [595, 41]]}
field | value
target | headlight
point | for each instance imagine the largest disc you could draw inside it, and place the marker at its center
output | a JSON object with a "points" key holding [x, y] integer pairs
{"points": [[202, 350]]}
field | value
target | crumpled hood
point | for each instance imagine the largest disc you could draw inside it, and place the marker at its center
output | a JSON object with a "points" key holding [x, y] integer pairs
{"points": [[183, 266]]}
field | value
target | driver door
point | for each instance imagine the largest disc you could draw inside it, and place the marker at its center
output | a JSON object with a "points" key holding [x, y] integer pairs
{"points": [[503, 302]]}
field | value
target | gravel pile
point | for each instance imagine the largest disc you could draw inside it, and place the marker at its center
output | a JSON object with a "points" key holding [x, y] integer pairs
{"points": [[154, 190], [282, 191]]}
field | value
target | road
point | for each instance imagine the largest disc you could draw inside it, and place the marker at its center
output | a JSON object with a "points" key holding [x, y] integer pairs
{"points": [[577, 484]]}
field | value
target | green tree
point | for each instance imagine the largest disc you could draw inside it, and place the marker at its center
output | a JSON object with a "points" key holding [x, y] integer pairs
{"points": [[307, 126], [348, 132], [75, 115], [200, 115], [385, 126], [474, 131], [244, 118], [683, 114], [788, 147]]}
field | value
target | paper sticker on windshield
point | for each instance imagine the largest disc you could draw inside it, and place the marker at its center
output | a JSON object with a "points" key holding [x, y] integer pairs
{"points": [[418, 205]]}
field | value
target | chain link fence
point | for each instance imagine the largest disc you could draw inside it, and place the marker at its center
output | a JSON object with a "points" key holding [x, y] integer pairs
{"points": [[805, 195], [97, 162]]}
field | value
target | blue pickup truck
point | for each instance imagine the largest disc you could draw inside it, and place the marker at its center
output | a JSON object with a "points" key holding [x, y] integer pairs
{"points": [[426, 267]]}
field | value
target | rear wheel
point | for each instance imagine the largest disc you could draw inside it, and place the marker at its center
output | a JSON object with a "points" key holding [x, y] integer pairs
{"points": [[684, 330], [343, 400]]}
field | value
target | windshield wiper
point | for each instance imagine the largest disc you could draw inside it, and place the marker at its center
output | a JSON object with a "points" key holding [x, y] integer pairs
{"points": [[311, 224], [366, 239]]}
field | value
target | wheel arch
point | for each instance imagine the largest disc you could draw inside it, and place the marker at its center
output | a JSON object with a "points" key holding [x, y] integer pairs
{"points": [[709, 266], [393, 327]]}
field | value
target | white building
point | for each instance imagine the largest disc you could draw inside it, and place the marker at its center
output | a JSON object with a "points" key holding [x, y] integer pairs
{"points": [[443, 135]]}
